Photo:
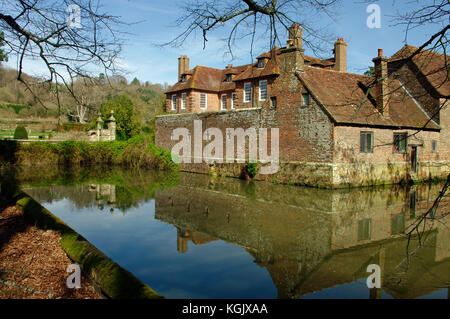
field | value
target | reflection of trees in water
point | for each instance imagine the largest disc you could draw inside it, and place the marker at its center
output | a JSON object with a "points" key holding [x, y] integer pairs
{"points": [[113, 188], [79, 195], [308, 239]]}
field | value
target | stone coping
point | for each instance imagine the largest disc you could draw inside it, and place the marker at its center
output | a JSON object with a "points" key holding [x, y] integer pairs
{"points": [[211, 112]]}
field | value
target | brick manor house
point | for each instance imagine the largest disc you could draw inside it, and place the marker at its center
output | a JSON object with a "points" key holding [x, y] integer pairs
{"points": [[336, 128]]}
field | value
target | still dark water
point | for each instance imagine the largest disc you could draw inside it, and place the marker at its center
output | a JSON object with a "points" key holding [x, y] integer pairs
{"points": [[192, 236]]}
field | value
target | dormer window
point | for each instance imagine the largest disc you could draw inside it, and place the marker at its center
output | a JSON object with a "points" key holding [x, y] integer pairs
{"points": [[229, 78], [261, 63], [183, 78]]}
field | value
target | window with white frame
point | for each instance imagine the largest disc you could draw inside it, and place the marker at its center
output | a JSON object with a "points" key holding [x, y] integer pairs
{"points": [[263, 90], [223, 102], [247, 92], [203, 101], [174, 102], [233, 100], [183, 101]]}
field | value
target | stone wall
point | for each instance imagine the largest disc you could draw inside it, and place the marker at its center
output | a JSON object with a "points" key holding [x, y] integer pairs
{"points": [[312, 150], [383, 165], [305, 140]]}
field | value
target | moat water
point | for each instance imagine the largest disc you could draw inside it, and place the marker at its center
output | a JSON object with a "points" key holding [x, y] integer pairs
{"points": [[193, 236]]}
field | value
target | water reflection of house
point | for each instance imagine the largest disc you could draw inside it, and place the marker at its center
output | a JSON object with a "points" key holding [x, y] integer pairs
{"points": [[104, 194], [310, 239], [183, 238]]}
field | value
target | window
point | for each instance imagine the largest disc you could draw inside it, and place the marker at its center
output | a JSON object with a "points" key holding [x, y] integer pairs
{"points": [[247, 92], [434, 146], [203, 101], [263, 90], [233, 100], [223, 102], [400, 142], [261, 63], [366, 142], [398, 224], [229, 78], [305, 99], [174, 102], [183, 101], [364, 229], [273, 102], [183, 78]]}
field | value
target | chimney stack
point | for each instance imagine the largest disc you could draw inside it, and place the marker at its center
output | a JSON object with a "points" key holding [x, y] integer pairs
{"points": [[340, 55], [381, 85], [183, 66], [295, 36], [294, 48]]}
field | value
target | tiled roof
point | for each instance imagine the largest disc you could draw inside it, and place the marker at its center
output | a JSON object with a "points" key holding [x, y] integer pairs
{"points": [[432, 66], [343, 95], [211, 79]]}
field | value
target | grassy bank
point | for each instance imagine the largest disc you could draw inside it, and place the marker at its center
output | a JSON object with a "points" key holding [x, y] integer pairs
{"points": [[139, 151]]}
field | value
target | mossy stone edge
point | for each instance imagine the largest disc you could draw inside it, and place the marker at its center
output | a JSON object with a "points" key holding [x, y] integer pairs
{"points": [[114, 281]]}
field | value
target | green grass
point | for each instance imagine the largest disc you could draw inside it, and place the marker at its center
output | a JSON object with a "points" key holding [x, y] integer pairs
{"points": [[139, 151], [32, 134]]}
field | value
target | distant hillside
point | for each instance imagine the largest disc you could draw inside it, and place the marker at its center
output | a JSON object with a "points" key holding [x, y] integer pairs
{"points": [[17, 102]]}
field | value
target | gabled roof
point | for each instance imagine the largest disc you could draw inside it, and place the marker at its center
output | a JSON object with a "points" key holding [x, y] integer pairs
{"points": [[202, 78], [345, 99], [212, 79], [431, 64]]}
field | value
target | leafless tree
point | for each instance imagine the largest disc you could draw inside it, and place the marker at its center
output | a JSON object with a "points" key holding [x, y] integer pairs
{"points": [[256, 18], [71, 38]]}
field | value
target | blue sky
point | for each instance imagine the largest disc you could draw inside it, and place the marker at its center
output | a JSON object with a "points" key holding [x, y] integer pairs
{"points": [[142, 58]]}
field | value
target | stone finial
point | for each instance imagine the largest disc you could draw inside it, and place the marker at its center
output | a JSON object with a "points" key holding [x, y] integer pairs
{"points": [[112, 126], [111, 118], [99, 122]]}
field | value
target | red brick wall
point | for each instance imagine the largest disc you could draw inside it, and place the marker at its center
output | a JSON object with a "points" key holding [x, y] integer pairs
{"points": [[444, 141], [305, 134], [255, 102], [193, 102]]}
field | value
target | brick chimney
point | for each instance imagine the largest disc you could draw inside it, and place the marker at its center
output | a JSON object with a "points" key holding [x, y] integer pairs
{"points": [[183, 66], [381, 85], [340, 55], [295, 36], [294, 49]]}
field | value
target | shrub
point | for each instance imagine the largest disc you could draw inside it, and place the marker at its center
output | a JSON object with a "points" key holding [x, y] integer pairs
{"points": [[20, 133], [18, 107], [252, 169], [127, 124]]}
